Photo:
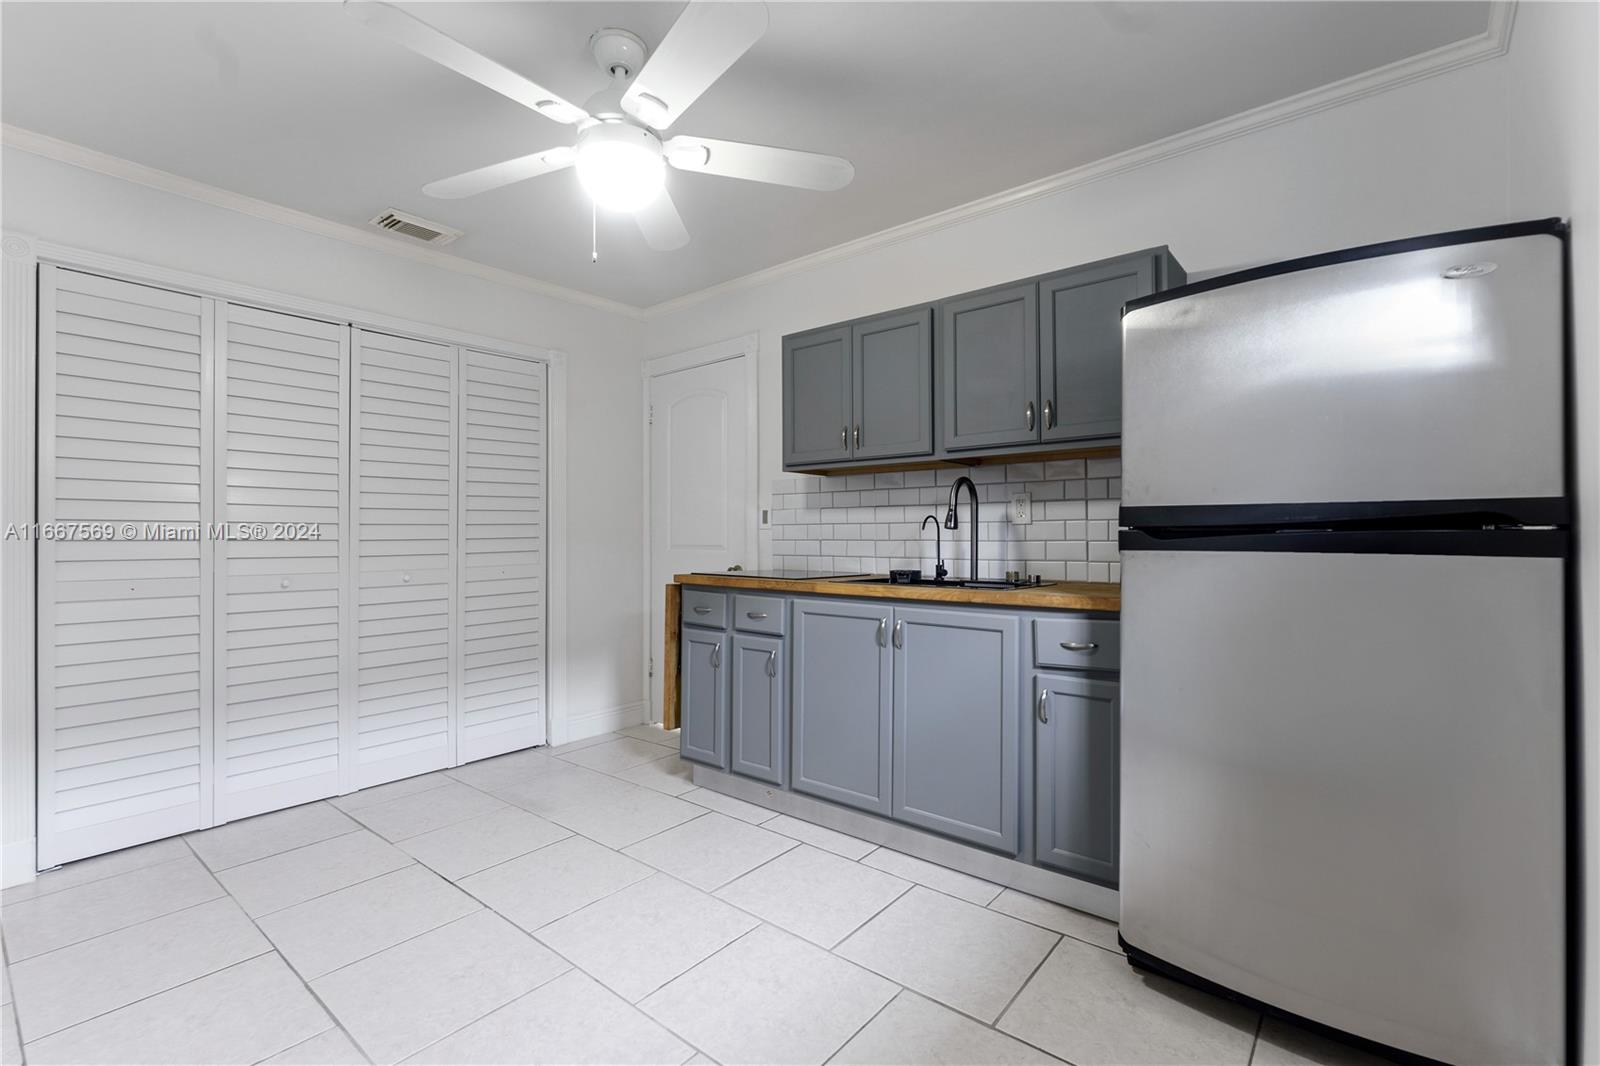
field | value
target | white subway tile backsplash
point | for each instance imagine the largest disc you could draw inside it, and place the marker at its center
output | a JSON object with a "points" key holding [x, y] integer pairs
{"points": [[872, 523]]}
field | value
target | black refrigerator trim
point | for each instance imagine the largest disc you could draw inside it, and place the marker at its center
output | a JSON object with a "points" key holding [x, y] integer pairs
{"points": [[1391, 514], [1554, 227], [1486, 543], [1141, 960]]}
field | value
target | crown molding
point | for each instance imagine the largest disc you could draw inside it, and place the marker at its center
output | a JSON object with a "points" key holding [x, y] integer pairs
{"points": [[1495, 41], [113, 166]]}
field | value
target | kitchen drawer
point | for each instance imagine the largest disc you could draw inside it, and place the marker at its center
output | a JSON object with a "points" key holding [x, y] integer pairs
{"points": [[759, 614], [1074, 643], [702, 608]]}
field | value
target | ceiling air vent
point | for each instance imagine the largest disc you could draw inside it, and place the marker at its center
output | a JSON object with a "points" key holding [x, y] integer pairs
{"points": [[417, 229]]}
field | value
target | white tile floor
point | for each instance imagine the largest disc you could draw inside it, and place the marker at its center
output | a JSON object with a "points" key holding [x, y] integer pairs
{"points": [[586, 904]]}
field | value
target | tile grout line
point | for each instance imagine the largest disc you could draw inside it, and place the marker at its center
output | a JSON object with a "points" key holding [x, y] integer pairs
{"points": [[297, 975], [995, 1025], [1255, 1039], [862, 1027], [359, 827]]}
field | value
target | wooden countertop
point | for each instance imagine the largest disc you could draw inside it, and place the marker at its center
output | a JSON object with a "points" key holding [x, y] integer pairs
{"points": [[1061, 596]]}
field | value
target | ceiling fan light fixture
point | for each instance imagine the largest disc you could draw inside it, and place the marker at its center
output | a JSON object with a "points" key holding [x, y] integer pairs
{"points": [[620, 166]]}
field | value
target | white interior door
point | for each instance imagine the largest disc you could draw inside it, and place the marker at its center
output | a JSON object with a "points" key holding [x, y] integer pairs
{"points": [[124, 678], [502, 560], [283, 447], [406, 666], [700, 493]]}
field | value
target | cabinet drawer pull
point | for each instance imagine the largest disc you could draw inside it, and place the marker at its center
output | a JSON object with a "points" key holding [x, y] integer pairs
{"points": [[858, 434], [883, 627], [757, 615], [1044, 706], [702, 609], [1075, 645], [899, 635], [844, 437], [1029, 414], [772, 663], [1049, 414], [716, 656]]}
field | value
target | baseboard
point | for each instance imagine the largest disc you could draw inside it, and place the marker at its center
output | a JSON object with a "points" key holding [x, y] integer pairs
{"points": [[17, 863], [564, 729]]}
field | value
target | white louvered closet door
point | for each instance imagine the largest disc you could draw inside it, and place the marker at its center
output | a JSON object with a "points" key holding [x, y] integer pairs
{"points": [[124, 688], [502, 557], [405, 523], [282, 442]]}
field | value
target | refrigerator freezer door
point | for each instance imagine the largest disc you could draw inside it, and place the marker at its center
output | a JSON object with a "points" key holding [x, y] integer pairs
{"points": [[1342, 789], [1371, 380]]}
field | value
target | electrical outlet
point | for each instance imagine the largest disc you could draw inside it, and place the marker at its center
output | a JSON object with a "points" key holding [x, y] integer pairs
{"points": [[1021, 509]]}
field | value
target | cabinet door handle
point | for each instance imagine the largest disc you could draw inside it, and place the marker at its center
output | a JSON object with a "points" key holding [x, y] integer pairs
{"points": [[1075, 645], [899, 635], [702, 610], [1049, 414], [858, 434], [1029, 413], [757, 615], [883, 628], [1044, 706], [716, 656], [772, 663], [844, 437]]}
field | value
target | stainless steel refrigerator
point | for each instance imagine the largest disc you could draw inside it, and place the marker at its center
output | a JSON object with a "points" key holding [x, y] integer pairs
{"points": [[1347, 709]]}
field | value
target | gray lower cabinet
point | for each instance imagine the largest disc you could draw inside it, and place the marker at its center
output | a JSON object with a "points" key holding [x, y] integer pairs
{"points": [[989, 368], [818, 411], [893, 366], [842, 700], [1076, 790], [760, 701], [957, 729], [1080, 345], [703, 696]]}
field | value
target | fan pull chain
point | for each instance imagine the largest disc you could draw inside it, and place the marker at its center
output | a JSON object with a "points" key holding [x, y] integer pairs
{"points": [[594, 232]]}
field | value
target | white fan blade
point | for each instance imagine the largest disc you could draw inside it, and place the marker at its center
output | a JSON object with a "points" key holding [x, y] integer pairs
{"points": [[661, 224], [429, 43], [498, 174], [757, 162], [707, 39]]}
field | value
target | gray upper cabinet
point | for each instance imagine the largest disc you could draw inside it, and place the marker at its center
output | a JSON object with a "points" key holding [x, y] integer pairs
{"points": [[703, 697], [1080, 341], [760, 693], [893, 362], [818, 411], [989, 368], [957, 731], [842, 702], [1077, 791]]}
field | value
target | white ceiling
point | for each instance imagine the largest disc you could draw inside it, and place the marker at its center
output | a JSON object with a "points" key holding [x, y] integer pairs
{"points": [[935, 103]]}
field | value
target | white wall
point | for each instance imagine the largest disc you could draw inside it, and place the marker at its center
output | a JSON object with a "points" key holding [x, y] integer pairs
{"points": [[1508, 138], [66, 205]]}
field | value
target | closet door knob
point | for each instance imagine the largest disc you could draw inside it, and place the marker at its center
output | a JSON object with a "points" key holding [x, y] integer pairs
{"points": [[406, 578], [284, 583]]}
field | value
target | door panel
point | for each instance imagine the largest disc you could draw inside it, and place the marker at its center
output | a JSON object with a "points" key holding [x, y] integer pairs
{"points": [[1342, 778], [817, 409], [124, 674], [957, 741], [1076, 790], [1080, 344], [893, 374], [704, 729], [406, 533], [989, 359], [282, 603], [502, 561], [700, 494], [843, 700], [1376, 379], [760, 698]]}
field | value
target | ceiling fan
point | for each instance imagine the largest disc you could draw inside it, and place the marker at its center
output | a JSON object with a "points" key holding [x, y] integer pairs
{"points": [[619, 154]]}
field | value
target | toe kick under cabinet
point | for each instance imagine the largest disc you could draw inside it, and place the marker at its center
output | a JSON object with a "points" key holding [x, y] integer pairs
{"points": [[993, 727]]}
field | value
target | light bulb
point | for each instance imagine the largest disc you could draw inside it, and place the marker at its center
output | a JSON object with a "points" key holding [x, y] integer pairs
{"points": [[620, 166]]}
